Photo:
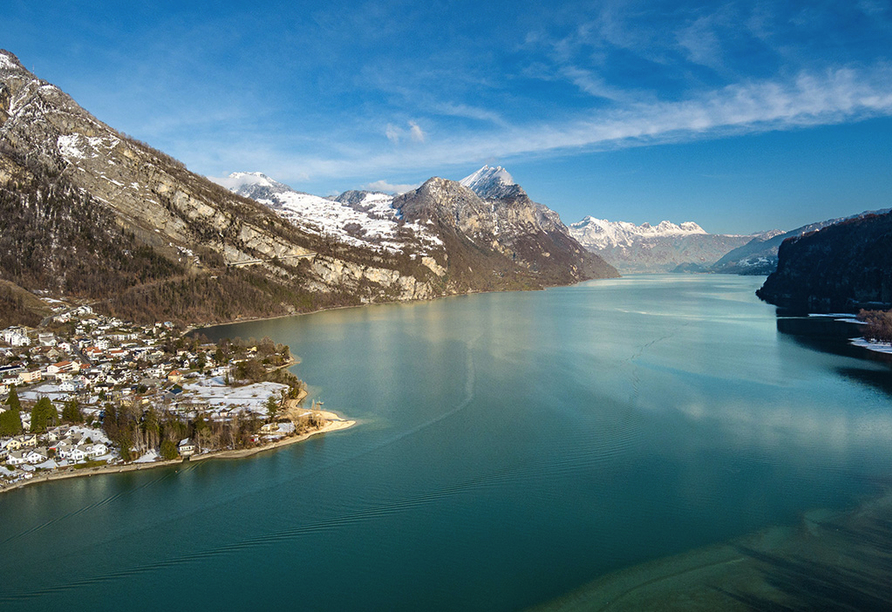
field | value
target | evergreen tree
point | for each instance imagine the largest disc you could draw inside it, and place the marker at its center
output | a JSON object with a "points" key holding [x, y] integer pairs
{"points": [[71, 412], [43, 415], [169, 450], [272, 407], [10, 423], [13, 400]]}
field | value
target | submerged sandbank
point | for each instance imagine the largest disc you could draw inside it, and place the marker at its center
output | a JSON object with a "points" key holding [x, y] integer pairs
{"points": [[831, 560]]}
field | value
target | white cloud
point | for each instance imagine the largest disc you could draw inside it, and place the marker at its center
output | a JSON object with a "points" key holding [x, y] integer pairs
{"points": [[592, 84], [386, 187], [812, 98], [393, 133], [469, 112], [415, 132], [396, 134]]}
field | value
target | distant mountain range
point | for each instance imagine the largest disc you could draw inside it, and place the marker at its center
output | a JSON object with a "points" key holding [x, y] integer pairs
{"points": [[645, 248], [687, 248], [89, 213]]}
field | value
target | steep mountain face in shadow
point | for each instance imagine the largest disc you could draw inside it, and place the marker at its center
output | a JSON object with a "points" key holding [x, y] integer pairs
{"points": [[842, 267]]}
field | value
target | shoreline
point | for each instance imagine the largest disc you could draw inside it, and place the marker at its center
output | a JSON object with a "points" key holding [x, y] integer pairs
{"points": [[333, 422], [883, 348], [197, 327]]}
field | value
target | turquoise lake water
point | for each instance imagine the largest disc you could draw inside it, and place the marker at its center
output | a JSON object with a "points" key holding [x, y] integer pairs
{"points": [[510, 448]]}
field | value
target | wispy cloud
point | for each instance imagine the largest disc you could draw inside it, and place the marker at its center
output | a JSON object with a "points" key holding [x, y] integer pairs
{"points": [[396, 134], [468, 112], [382, 185], [415, 132], [810, 99]]}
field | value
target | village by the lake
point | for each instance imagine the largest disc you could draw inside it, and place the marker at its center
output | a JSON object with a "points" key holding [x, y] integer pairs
{"points": [[84, 392]]}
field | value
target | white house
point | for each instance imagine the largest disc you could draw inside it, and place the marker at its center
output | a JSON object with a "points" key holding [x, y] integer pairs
{"points": [[186, 448], [97, 450], [16, 457], [36, 455], [15, 336]]}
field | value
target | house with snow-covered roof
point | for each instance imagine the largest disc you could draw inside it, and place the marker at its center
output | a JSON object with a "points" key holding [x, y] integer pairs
{"points": [[186, 447]]}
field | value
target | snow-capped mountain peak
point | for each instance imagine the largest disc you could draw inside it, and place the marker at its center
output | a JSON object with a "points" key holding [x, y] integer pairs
{"points": [[241, 181], [489, 182]]}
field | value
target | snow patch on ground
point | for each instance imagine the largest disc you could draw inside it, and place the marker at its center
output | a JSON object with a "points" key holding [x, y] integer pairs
{"points": [[76, 146], [218, 396], [6, 63], [373, 222], [68, 147], [149, 457], [877, 347], [51, 390]]}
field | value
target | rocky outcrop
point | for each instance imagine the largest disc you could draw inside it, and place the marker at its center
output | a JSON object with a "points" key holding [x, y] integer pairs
{"points": [[524, 242], [48, 133], [842, 267]]}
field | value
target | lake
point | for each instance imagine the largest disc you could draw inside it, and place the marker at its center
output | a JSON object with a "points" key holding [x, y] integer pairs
{"points": [[511, 448]]}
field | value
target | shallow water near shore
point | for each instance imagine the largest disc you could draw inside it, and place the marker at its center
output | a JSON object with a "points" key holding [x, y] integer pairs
{"points": [[512, 449]]}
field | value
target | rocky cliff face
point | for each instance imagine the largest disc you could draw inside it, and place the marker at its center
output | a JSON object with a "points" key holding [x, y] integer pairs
{"points": [[44, 132], [842, 267], [49, 144], [524, 242]]}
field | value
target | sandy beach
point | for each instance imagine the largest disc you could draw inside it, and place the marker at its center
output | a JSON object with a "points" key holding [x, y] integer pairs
{"points": [[333, 422]]}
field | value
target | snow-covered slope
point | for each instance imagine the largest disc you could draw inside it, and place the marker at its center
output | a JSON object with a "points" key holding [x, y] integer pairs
{"points": [[360, 219]]}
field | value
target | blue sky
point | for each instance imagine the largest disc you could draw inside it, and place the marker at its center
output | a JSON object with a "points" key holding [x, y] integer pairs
{"points": [[741, 116]]}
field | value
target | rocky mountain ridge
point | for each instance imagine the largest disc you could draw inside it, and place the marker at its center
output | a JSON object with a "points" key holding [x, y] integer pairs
{"points": [[360, 218], [174, 245], [525, 233], [523, 242]]}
